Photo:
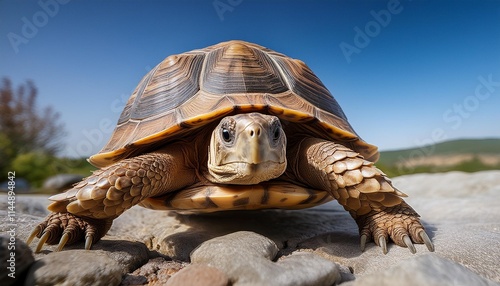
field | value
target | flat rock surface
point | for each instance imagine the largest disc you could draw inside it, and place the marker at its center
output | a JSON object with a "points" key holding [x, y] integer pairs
{"points": [[76, 267], [460, 211], [247, 257]]}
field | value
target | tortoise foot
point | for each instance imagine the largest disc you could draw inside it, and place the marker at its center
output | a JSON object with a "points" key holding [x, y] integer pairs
{"points": [[400, 223], [67, 228]]}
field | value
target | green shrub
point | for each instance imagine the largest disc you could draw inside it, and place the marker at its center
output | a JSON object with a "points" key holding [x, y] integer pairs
{"points": [[34, 167]]}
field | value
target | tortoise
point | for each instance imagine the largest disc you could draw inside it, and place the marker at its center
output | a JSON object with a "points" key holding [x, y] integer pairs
{"points": [[234, 126]]}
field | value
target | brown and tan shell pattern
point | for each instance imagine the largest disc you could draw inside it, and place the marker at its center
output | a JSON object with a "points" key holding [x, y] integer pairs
{"points": [[192, 89]]}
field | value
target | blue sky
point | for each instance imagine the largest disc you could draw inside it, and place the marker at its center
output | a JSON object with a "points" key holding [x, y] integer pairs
{"points": [[429, 72]]}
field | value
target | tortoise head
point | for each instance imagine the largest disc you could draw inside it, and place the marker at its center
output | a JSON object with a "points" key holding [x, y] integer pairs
{"points": [[247, 149]]}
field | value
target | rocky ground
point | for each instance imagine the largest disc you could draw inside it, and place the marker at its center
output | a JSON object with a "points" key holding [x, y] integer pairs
{"points": [[318, 246]]}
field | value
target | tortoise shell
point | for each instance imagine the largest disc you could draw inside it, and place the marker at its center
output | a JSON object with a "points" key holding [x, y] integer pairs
{"points": [[190, 90]]}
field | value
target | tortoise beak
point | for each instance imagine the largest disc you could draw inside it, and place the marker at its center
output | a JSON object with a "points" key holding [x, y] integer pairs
{"points": [[256, 140]]}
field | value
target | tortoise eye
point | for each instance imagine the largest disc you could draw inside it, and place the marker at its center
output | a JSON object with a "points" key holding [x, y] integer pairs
{"points": [[226, 135], [277, 133]]}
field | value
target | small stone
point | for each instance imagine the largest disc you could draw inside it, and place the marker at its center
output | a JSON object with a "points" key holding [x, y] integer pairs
{"points": [[161, 278], [179, 246], [156, 271], [75, 267], [199, 274], [246, 258], [129, 255]]}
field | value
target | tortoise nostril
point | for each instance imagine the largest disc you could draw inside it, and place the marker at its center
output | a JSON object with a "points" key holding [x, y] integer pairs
{"points": [[254, 131]]}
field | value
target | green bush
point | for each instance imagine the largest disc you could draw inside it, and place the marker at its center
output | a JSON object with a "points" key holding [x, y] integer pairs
{"points": [[37, 166], [34, 167]]}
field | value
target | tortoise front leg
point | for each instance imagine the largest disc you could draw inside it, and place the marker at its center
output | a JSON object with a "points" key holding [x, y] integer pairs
{"points": [[361, 189], [87, 210], [67, 228]]}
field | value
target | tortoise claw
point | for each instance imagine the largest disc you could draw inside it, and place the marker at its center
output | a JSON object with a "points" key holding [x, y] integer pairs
{"points": [[67, 228], [427, 240], [42, 241], [382, 243], [409, 244], [399, 224], [364, 238], [63, 241], [36, 232], [88, 241]]}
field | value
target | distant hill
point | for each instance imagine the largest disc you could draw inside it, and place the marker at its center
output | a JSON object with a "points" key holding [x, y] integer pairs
{"points": [[468, 155]]}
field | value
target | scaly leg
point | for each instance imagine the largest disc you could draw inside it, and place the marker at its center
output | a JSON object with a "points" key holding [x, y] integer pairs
{"points": [[361, 189], [87, 210]]}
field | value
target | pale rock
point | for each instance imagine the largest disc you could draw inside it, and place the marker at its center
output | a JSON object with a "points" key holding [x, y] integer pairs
{"points": [[427, 269], [129, 255], [75, 268], [157, 271], [246, 257], [19, 262]]}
